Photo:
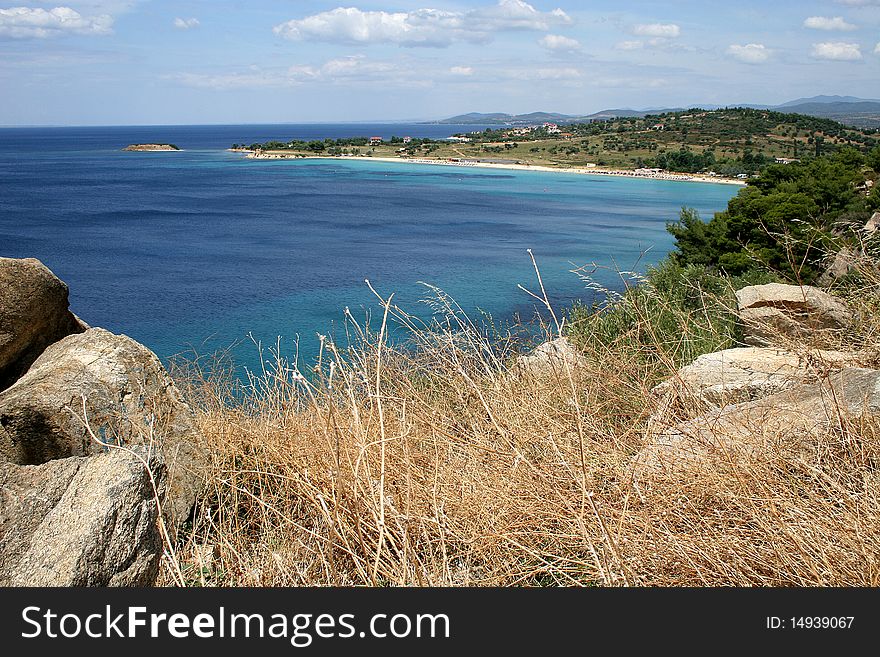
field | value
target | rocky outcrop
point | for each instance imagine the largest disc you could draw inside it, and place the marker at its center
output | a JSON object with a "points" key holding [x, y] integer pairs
{"points": [[786, 421], [94, 441], [146, 148], [34, 313], [551, 356], [845, 261], [744, 374], [121, 390], [873, 223], [81, 521], [774, 312]]}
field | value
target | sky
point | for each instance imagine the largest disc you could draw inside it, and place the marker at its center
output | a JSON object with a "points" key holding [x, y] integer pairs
{"points": [[149, 62]]}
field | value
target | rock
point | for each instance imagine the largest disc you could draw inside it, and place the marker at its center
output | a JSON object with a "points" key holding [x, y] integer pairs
{"points": [[873, 223], [775, 312], [744, 374], [844, 262], [88, 521], [789, 421], [551, 357], [33, 314], [129, 400]]}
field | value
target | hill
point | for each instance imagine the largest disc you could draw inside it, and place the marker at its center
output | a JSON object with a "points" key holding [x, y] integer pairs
{"points": [[849, 110], [826, 100], [728, 141]]}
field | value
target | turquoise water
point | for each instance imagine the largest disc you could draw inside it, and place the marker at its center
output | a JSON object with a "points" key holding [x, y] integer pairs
{"points": [[203, 248]]}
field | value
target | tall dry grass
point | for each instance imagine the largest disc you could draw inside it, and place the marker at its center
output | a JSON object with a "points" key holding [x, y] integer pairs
{"points": [[442, 463]]}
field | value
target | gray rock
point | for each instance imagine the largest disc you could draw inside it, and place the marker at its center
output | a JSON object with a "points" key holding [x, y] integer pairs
{"points": [[33, 314], [774, 313], [789, 420], [744, 374], [129, 400], [873, 223], [844, 262], [88, 521], [551, 356]]}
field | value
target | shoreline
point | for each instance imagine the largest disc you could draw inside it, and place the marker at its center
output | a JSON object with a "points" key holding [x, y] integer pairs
{"points": [[598, 171]]}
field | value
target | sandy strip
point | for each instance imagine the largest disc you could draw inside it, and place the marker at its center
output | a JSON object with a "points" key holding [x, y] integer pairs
{"points": [[591, 171]]}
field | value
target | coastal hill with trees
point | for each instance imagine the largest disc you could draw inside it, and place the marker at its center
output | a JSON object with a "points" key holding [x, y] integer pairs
{"points": [[727, 142]]}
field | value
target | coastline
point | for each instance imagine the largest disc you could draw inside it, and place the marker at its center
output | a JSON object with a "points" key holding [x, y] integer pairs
{"points": [[598, 171]]}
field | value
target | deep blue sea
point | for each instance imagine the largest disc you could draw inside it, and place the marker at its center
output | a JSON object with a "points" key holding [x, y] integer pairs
{"points": [[200, 249]]}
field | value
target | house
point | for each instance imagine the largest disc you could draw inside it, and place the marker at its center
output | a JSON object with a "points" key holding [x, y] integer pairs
{"points": [[786, 160], [407, 140], [375, 141], [458, 139], [658, 126], [552, 128]]}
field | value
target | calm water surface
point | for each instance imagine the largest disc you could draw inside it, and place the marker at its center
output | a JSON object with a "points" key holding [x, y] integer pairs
{"points": [[201, 248]]}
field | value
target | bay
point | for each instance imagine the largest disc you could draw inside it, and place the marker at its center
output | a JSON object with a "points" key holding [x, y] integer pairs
{"points": [[201, 249]]}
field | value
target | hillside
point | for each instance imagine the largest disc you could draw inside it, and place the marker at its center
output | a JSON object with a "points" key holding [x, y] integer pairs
{"points": [[850, 110], [728, 141]]}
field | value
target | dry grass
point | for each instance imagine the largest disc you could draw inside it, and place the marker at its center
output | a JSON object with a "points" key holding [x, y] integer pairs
{"points": [[439, 464]]}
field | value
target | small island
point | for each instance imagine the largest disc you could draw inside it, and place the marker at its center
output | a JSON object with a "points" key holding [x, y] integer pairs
{"points": [[151, 147]]}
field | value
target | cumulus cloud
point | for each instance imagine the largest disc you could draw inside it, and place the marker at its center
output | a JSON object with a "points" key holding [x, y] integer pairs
{"points": [[462, 70], [837, 51], [422, 27], [559, 43], [661, 30], [877, 49], [751, 53], [37, 23], [186, 23], [831, 24]]}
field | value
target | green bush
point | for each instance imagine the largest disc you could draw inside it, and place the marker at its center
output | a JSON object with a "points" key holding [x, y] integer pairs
{"points": [[676, 314]]}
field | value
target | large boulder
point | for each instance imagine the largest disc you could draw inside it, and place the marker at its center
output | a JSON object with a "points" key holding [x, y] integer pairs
{"points": [[34, 313], [744, 374], [774, 313], [788, 421], [88, 521], [552, 356], [122, 392]]}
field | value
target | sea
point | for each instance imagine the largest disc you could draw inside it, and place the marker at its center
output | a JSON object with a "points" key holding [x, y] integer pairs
{"points": [[204, 251]]}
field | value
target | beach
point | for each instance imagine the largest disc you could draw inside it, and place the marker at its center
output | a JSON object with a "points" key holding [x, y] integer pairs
{"points": [[593, 171]]}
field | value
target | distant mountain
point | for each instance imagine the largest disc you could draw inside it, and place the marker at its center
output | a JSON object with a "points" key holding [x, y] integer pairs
{"points": [[850, 110], [862, 114], [826, 100]]}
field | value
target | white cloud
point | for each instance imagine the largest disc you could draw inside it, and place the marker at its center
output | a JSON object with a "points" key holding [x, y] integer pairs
{"points": [[831, 24], [462, 70], [421, 27], [630, 45], [837, 51], [186, 23], [30, 23], [662, 30], [877, 49], [751, 53], [559, 43], [352, 69], [858, 3]]}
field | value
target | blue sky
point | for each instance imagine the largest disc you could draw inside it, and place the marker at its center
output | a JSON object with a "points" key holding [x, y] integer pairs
{"points": [[105, 62]]}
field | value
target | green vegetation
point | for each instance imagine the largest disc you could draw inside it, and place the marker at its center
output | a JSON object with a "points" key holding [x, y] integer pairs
{"points": [[729, 142], [787, 220]]}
